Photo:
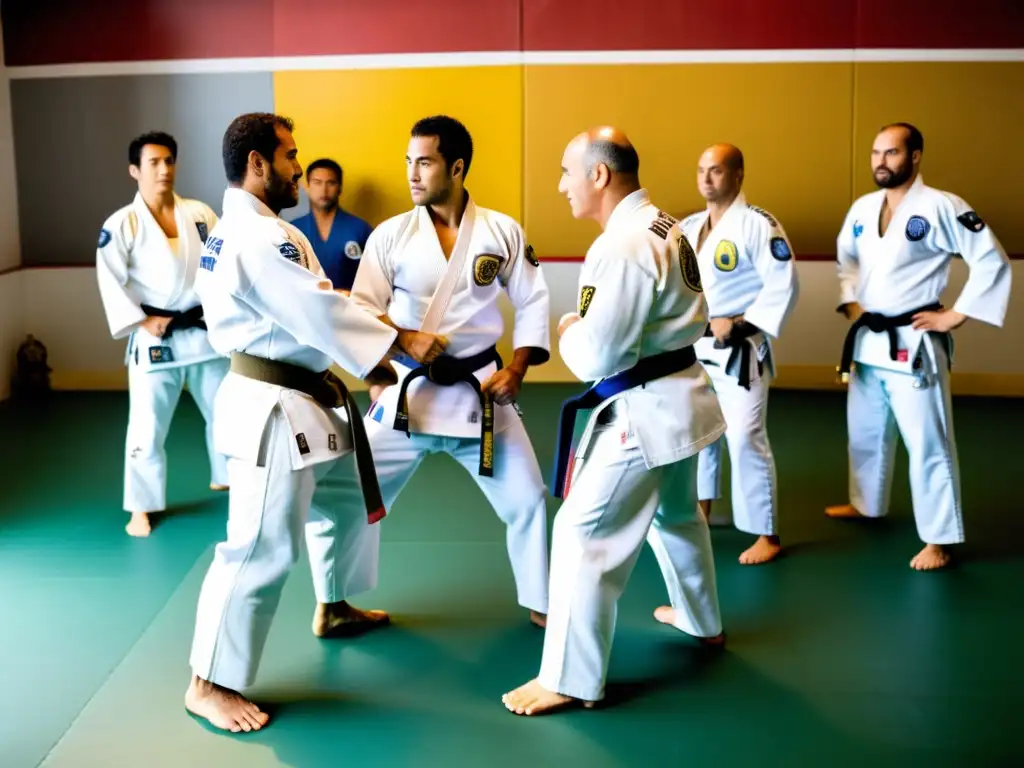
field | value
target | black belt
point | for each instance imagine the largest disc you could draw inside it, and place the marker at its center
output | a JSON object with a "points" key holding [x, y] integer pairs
{"points": [[741, 350], [647, 369], [331, 392], [190, 318], [447, 371], [877, 323]]}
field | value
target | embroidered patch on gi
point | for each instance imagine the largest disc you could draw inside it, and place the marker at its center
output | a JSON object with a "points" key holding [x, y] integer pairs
{"points": [[352, 249], [207, 263], [161, 355], [858, 229], [301, 440], [104, 238], [531, 256], [917, 228], [290, 252], [201, 228], [972, 221], [902, 356], [662, 225], [780, 249], [485, 268], [473, 417], [586, 296], [771, 219], [688, 264], [726, 257]]}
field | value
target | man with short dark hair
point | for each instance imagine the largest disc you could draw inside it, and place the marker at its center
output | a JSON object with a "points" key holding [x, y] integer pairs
{"points": [[338, 237], [146, 262], [291, 430], [441, 269], [893, 255]]}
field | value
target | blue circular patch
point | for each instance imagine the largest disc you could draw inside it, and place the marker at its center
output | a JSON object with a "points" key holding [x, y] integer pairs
{"points": [[104, 238], [917, 228], [780, 249]]}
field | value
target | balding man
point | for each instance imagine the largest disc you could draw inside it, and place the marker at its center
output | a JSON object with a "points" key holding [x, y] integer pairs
{"points": [[653, 409], [750, 284], [893, 254]]}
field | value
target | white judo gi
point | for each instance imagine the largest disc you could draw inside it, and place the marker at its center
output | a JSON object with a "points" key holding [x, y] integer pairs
{"points": [[746, 266], [902, 384], [291, 460], [141, 271], [635, 467], [404, 274]]}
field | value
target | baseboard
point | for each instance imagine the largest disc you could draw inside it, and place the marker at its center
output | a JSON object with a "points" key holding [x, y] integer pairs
{"points": [[802, 377]]}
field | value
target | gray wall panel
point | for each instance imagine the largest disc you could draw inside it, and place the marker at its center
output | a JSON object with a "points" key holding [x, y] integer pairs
{"points": [[71, 140]]}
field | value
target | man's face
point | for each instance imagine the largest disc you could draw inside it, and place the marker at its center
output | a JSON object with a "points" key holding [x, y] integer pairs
{"points": [[430, 180], [282, 182], [575, 184], [891, 164], [155, 171], [324, 188], [715, 179]]}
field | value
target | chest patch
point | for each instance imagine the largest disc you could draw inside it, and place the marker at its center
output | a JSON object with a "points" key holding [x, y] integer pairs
{"points": [[917, 228], [726, 256], [352, 250], [485, 268], [586, 296], [688, 264]]}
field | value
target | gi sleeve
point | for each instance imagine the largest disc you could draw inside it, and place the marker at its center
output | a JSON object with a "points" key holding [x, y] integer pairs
{"points": [[305, 305], [616, 295], [987, 291], [112, 255], [372, 288], [772, 255], [847, 263], [527, 290]]}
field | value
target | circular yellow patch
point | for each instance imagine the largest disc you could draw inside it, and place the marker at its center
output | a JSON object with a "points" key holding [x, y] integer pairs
{"points": [[726, 256]]}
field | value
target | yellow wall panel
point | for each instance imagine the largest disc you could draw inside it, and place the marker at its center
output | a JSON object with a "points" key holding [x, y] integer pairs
{"points": [[362, 118], [969, 115], [792, 122]]}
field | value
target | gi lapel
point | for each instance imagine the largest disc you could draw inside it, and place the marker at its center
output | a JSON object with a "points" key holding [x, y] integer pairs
{"points": [[453, 271]]}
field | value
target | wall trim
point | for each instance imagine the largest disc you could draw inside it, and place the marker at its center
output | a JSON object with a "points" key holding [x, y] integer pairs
{"points": [[512, 58]]}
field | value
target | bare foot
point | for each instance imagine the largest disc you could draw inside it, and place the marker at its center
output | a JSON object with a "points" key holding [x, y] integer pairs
{"points": [[332, 620], [930, 558], [218, 487], [666, 614], [763, 550], [139, 525], [534, 699], [842, 510], [222, 707], [540, 619]]}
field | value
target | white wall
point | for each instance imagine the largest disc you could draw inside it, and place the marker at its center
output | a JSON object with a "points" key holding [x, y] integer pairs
{"points": [[64, 311]]}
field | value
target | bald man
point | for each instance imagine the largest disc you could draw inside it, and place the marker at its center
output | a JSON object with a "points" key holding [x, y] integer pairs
{"points": [[750, 284], [893, 255], [652, 410]]}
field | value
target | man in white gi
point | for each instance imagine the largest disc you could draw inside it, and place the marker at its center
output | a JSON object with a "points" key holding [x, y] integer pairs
{"points": [[893, 258], [640, 311], [750, 284], [146, 263], [441, 268], [288, 426]]}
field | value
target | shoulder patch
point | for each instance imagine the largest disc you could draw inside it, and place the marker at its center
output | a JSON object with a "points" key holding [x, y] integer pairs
{"points": [[104, 238], [780, 249], [688, 264], [662, 225], [531, 256], [352, 249], [771, 219], [485, 268], [290, 252], [726, 256], [917, 228], [203, 232], [586, 296], [972, 221], [858, 229]]}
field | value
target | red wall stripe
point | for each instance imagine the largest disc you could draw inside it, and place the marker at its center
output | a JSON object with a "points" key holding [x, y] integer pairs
{"points": [[69, 31]]}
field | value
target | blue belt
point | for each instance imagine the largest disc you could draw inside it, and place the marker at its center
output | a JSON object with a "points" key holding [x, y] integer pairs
{"points": [[647, 369]]}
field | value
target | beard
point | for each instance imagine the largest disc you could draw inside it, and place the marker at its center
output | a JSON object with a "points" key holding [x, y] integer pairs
{"points": [[887, 179], [280, 192]]}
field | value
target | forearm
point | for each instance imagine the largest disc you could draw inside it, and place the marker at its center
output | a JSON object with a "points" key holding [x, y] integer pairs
{"points": [[521, 360]]}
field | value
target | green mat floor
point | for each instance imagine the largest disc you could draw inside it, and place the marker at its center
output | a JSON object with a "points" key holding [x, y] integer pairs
{"points": [[839, 653]]}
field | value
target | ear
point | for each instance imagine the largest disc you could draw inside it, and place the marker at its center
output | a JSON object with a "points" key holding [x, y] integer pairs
{"points": [[602, 176], [457, 167], [915, 158], [256, 163], [133, 171]]}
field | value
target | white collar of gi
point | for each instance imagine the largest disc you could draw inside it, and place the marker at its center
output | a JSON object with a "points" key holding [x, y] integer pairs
{"points": [[627, 205], [237, 199]]}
